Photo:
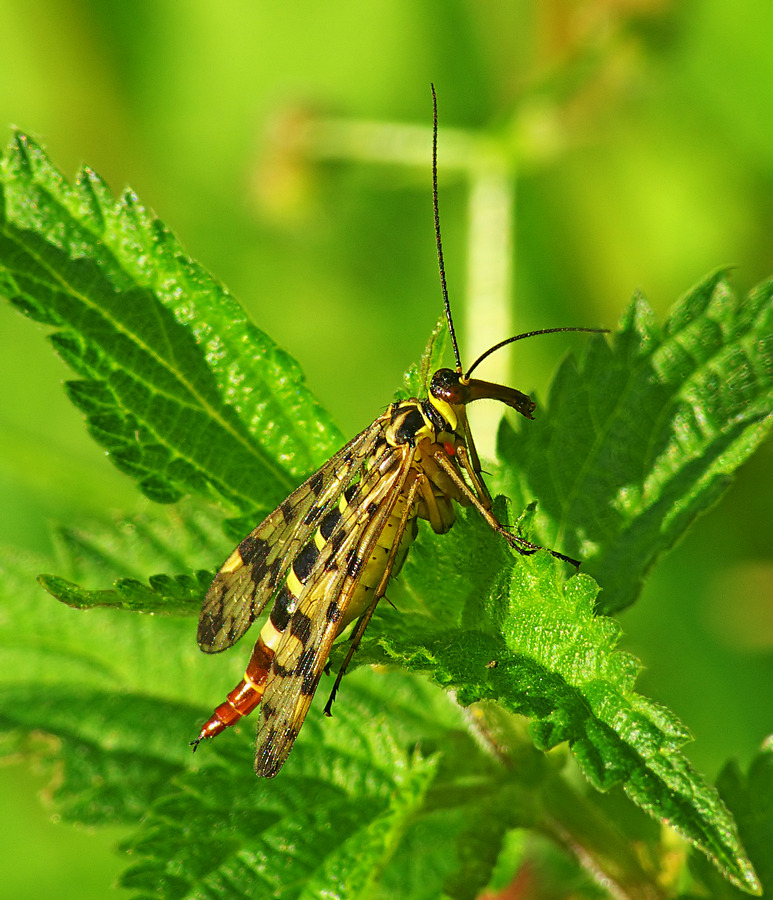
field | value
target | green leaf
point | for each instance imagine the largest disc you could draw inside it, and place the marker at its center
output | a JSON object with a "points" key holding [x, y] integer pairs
{"points": [[273, 839], [169, 367], [101, 699], [750, 799], [644, 435], [480, 843], [108, 754], [555, 661], [171, 540], [108, 701], [179, 594]]}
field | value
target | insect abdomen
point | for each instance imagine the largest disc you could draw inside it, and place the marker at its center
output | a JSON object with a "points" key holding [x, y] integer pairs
{"points": [[244, 697]]}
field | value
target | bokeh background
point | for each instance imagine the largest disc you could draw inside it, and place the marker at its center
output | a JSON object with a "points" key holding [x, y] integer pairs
{"points": [[641, 140]]}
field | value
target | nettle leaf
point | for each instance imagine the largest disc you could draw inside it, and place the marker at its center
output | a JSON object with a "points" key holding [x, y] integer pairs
{"points": [[180, 388], [214, 835], [170, 540], [554, 660], [107, 702], [180, 594], [750, 798], [643, 435], [104, 700]]}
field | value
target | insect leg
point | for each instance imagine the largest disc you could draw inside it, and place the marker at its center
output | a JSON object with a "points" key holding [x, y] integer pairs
{"points": [[524, 547], [471, 462]]}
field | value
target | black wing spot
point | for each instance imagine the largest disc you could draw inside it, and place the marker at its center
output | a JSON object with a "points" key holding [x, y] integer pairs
{"points": [[233, 630], [283, 608], [300, 627], [210, 627], [286, 509], [315, 483], [313, 514], [333, 612], [335, 543], [253, 550], [328, 524], [306, 661], [271, 573], [304, 562], [281, 671], [306, 669], [354, 564]]}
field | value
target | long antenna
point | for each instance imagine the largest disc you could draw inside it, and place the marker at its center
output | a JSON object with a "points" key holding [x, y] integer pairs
{"points": [[527, 334], [438, 242]]}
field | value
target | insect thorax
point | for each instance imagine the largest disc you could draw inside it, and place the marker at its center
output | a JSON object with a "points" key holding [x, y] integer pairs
{"points": [[412, 420]]}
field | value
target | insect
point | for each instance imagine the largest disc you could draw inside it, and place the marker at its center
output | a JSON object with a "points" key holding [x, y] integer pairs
{"points": [[326, 555]]}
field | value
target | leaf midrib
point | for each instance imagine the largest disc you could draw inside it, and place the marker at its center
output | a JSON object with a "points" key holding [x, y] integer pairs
{"points": [[204, 406]]}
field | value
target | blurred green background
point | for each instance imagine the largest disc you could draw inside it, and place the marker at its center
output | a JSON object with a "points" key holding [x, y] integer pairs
{"points": [[643, 136]]}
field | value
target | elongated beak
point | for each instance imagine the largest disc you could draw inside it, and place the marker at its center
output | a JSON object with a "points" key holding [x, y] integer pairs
{"points": [[486, 390]]}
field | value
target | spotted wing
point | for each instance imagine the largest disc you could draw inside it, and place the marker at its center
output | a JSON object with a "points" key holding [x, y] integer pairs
{"points": [[252, 573], [322, 608]]}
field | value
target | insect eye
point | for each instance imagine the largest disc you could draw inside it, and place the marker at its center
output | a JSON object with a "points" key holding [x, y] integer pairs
{"points": [[446, 384]]}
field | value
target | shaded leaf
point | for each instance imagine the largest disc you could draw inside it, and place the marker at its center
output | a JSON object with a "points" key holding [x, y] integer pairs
{"points": [[644, 435], [170, 367], [750, 799], [555, 661]]}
